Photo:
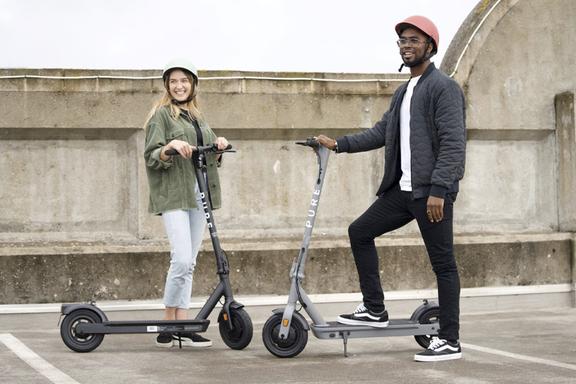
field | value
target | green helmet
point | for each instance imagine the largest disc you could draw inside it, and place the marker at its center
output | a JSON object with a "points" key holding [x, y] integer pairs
{"points": [[181, 63]]}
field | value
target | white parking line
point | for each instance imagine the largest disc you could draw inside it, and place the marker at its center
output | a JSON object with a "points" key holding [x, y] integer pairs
{"points": [[517, 356], [32, 359]]}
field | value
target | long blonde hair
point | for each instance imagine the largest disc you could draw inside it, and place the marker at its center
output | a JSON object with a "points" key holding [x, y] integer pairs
{"points": [[166, 100]]}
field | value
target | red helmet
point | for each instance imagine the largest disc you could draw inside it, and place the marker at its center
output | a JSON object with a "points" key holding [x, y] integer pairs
{"points": [[422, 23]]}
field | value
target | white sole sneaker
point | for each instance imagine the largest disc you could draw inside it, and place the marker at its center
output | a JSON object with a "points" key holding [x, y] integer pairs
{"points": [[164, 345], [451, 356], [373, 324], [192, 344]]}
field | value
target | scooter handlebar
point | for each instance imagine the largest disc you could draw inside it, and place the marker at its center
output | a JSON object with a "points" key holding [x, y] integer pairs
{"points": [[310, 142], [203, 149]]}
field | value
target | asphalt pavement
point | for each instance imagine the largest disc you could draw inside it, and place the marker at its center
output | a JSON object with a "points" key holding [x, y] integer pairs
{"points": [[498, 347]]}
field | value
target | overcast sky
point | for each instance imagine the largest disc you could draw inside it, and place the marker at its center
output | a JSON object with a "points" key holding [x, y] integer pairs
{"points": [[258, 35]]}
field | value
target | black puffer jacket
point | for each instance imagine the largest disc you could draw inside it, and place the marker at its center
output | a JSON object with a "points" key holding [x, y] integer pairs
{"points": [[437, 136]]}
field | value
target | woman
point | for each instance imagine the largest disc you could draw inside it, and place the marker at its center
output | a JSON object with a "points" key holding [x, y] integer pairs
{"points": [[176, 122]]}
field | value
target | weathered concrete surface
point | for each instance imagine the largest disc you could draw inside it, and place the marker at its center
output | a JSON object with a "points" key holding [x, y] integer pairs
{"points": [[566, 138], [88, 164], [511, 86], [102, 272], [510, 93], [508, 85]]}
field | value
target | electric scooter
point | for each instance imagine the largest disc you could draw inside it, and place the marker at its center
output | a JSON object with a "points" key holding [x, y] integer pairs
{"points": [[84, 325], [285, 333]]}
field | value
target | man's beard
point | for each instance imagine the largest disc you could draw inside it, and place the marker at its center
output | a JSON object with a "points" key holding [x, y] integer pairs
{"points": [[416, 62]]}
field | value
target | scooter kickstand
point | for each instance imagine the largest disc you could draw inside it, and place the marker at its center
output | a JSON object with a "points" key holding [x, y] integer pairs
{"points": [[345, 341]]}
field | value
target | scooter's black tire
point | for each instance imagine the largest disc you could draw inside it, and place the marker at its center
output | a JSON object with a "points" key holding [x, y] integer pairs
{"points": [[431, 315], [293, 345], [77, 342], [241, 334]]}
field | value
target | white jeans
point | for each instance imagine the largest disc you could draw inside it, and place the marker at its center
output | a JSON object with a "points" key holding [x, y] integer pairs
{"points": [[185, 230]]}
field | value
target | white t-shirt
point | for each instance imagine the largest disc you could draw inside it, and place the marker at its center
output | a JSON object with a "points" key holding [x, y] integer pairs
{"points": [[405, 156]]}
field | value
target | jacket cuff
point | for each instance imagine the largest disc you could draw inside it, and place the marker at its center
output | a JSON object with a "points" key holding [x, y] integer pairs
{"points": [[156, 156], [343, 145], [438, 191]]}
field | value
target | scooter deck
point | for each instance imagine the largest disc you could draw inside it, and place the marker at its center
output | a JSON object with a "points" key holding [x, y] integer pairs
{"points": [[143, 326], [400, 327]]}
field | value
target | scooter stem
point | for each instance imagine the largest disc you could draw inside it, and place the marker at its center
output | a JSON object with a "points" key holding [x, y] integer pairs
{"points": [[297, 271], [200, 170], [322, 155]]}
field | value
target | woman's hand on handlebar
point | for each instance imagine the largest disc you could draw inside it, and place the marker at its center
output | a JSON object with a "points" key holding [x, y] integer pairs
{"points": [[326, 141], [222, 143], [183, 148]]}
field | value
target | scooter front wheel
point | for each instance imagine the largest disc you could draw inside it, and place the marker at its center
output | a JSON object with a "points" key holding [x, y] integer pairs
{"points": [[240, 335], [431, 315], [293, 345], [80, 342]]}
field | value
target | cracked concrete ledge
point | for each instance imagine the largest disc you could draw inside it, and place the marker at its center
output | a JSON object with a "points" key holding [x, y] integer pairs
{"points": [[46, 273]]}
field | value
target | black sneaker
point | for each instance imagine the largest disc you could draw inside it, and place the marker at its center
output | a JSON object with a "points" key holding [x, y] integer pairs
{"points": [[440, 350], [363, 316], [190, 339], [164, 340]]}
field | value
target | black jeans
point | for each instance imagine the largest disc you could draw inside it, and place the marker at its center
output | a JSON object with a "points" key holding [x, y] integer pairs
{"points": [[389, 212]]}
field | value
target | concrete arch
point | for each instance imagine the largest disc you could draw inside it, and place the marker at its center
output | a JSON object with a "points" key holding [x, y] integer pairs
{"points": [[513, 57], [471, 36]]}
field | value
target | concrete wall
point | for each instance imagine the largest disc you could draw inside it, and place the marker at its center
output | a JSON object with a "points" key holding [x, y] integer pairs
{"points": [[74, 193], [518, 59], [82, 141]]}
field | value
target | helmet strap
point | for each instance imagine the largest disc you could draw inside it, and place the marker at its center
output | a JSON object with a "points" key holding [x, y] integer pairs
{"points": [[428, 55], [183, 102], [178, 103]]}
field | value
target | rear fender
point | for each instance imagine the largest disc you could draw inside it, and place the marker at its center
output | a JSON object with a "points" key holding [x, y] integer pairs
{"points": [[67, 309], [423, 308]]}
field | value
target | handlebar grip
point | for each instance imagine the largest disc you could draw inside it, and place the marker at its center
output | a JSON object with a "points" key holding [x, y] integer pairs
{"points": [[310, 142], [171, 152]]}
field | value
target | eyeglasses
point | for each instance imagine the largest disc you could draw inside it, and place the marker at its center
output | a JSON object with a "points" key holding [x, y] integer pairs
{"points": [[409, 42]]}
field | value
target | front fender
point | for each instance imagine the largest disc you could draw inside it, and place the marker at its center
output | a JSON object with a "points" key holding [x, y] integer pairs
{"points": [[295, 316], [233, 305]]}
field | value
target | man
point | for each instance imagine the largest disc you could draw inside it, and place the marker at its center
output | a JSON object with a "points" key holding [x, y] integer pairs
{"points": [[425, 137]]}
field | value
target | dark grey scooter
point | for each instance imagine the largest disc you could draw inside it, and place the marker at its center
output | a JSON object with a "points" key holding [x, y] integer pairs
{"points": [[285, 333], [84, 325]]}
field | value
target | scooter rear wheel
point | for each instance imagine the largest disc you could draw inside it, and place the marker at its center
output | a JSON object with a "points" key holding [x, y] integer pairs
{"points": [[293, 345], [431, 315], [76, 341], [241, 333]]}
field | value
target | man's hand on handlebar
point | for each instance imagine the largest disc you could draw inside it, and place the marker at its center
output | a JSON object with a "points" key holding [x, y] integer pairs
{"points": [[326, 141]]}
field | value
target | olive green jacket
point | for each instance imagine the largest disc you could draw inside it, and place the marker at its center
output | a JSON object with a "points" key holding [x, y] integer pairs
{"points": [[172, 183]]}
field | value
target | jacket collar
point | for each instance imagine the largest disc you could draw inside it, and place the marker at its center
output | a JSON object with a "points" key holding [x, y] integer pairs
{"points": [[431, 67]]}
